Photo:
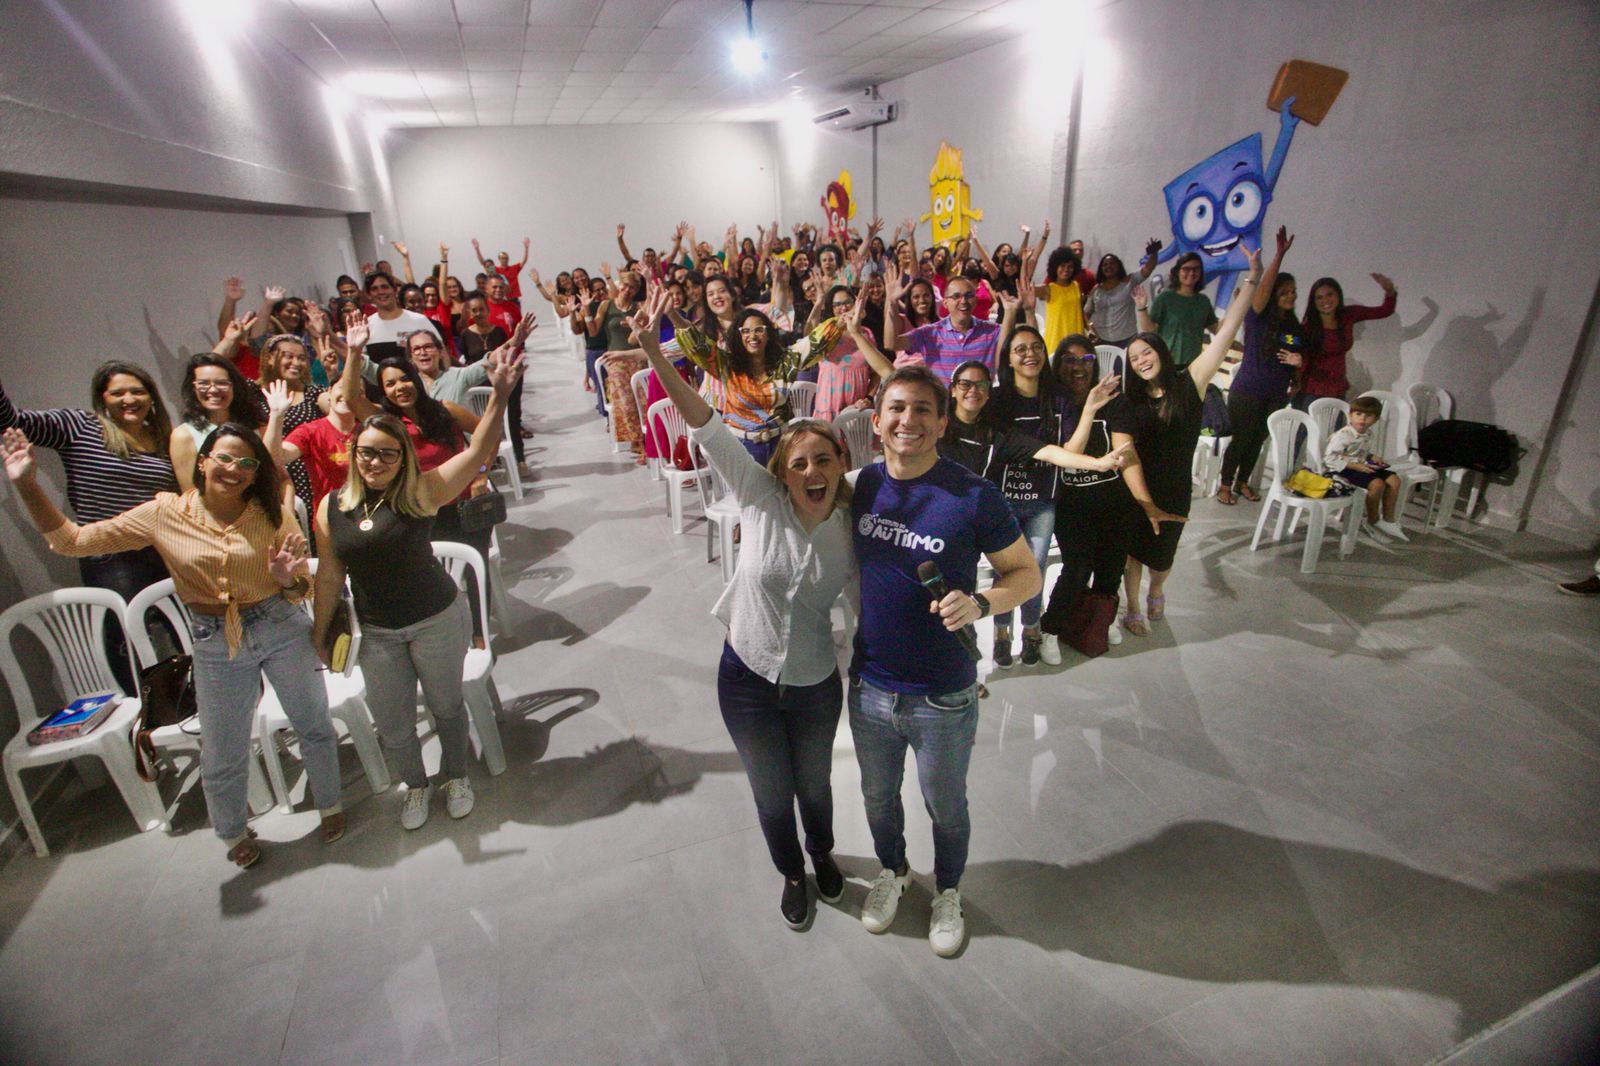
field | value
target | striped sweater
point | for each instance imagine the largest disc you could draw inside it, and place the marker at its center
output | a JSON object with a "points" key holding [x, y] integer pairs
{"points": [[99, 485]]}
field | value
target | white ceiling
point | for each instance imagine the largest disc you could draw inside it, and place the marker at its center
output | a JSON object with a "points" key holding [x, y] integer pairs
{"points": [[533, 62]]}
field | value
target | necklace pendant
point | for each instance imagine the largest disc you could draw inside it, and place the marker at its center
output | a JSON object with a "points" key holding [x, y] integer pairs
{"points": [[365, 525]]}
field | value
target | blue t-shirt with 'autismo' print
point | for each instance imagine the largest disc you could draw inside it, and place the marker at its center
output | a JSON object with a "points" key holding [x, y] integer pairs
{"points": [[948, 515]]}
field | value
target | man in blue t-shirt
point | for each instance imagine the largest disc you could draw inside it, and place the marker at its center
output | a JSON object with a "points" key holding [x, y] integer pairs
{"points": [[912, 682]]}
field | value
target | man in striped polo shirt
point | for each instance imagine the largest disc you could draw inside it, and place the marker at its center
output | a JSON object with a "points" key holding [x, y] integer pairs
{"points": [[946, 344]]}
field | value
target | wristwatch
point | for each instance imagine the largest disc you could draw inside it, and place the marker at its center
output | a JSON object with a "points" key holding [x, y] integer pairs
{"points": [[983, 604]]}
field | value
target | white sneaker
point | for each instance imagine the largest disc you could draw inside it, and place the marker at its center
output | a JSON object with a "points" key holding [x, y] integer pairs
{"points": [[458, 798], [414, 810], [1050, 650], [1392, 529], [1372, 535], [947, 929], [1114, 635], [883, 899]]}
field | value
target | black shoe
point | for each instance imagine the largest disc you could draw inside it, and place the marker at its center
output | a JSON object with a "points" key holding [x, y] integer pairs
{"points": [[830, 881], [1002, 648], [795, 904], [1030, 649], [1589, 586]]}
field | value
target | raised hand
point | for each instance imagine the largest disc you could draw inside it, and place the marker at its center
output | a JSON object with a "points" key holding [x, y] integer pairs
{"points": [[283, 559], [1254, 255], [1285, 240], [605, 268], [1384, 282], [1103, 392], [503, 372], [895, 283], [1152, 248], [1044, 235], [444, 252], [621, 229], [519, 336], [400, 249], [316, 320], [1009, 302], [18, 452], [874, 226], [852, 318], [239, 327], [356, 331], [278, 398], [1141, 298], [233, 289], [533, 276], [1027, 230], [274, 293], [368, 268]]}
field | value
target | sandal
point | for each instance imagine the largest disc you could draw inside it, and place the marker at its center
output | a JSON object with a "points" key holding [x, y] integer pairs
{"points": [[1134, 623], [246, 853], [1225, 496], [1155, 608], [332, 827], [1249, 493]]}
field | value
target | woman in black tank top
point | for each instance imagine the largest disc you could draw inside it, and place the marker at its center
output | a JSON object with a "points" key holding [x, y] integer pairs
{"points": [[377, 531]]}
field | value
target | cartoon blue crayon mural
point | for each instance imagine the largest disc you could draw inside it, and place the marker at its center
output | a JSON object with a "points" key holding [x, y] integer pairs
{"points": [[1219, 205]]}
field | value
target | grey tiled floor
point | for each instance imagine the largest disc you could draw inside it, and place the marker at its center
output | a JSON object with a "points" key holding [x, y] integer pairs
{"points": [[1339, 818]]}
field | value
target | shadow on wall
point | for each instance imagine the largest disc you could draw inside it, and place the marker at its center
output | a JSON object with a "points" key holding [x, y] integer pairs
{"points": [[1378, 359], [1470, 359]]}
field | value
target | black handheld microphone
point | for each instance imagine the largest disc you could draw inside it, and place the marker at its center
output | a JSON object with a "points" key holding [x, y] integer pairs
{"points": [[933, 580]]}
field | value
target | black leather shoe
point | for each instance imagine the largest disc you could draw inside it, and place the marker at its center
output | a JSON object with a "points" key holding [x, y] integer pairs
{"points": [[795, 904], [830, 881]]}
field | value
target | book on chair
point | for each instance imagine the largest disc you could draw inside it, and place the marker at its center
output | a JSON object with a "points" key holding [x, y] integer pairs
{"points": [[76, 718]]}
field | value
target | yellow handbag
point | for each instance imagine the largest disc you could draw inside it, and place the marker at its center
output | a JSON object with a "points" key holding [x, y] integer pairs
{"points": [[1305, 483]]}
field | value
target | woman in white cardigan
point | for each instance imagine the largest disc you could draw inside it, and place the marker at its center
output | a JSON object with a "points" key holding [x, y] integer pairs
{"points": [[778, 684]]}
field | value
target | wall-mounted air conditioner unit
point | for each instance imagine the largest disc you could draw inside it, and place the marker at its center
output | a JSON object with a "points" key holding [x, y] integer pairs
{"points": [[857, 115]]}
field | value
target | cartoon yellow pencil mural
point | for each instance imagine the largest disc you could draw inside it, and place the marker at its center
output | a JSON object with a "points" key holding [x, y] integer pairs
{"points": [[951, 197]]}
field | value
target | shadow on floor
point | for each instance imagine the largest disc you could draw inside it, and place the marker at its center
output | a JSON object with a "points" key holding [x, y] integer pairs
{"points": [[1210, 902]]}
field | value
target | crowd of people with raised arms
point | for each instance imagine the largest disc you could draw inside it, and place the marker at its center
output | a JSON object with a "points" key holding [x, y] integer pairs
{"points": [[996, 432]]}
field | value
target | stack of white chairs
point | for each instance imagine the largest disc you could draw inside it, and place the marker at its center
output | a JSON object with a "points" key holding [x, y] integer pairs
{"points": [[484, 709], [70, 623], [1396, 436], [1108, 356], [1430, 403], [855, 429], [184, 736], [1283, 426], [803, 398], [665, 420], [640, 386], [506, 457]]}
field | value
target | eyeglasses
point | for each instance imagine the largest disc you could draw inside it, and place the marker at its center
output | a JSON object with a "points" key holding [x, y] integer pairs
{"points": [[427, 346], [208, 386], [960, 296], [970, 385], [1027, 349], [380, 456], [245, 463]]}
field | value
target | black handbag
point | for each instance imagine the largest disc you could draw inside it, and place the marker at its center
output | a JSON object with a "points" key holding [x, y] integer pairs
{"points": [[166, 697], [484, 511]]}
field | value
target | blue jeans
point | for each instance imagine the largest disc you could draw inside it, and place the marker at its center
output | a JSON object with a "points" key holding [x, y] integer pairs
{"points": [[940, 730], [1038, 521], [784, 735], [393, 661], [277, 642]]}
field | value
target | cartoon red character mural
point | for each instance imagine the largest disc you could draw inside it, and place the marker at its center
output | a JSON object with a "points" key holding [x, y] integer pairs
{"points": [[839, 208]]}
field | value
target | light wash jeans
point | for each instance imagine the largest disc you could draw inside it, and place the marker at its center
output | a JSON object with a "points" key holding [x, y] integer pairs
{"points": [[277, 642], [393, 661], [1038, 522], [940, 729]]}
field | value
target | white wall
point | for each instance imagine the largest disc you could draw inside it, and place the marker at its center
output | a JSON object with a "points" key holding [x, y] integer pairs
{"points": [[1004, 106], [1462, 159], [567, 187]]}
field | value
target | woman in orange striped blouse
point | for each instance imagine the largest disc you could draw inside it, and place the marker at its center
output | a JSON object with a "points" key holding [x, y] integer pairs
{"points": [[238, 560]]}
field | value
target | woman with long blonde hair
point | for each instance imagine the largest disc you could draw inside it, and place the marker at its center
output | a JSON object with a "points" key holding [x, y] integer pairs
{"points": [[378, 530]]}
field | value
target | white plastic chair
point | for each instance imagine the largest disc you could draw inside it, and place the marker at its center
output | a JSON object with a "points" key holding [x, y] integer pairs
{"points": [[640, 385], [71, 623], [1430, 403], [463, 563], [803, 398], [1107, 356], [506, 455], [722, 518], [347, 705], [668, 423], [1325, 413], [1206, 468], [163, 597], [1283, 426], [1396, 436], [855, 429]]}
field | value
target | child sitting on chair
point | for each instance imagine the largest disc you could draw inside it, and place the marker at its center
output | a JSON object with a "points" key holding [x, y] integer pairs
{"points": [[1350, 458]]}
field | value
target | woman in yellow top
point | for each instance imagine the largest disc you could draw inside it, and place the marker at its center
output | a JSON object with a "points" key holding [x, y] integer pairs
{"points": [[1063, 310], [238, 560]]}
